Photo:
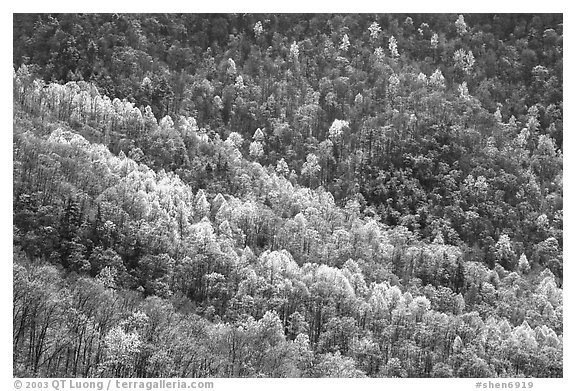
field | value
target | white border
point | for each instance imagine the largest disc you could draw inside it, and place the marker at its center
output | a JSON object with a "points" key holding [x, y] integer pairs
{"points": [[227, 6]]}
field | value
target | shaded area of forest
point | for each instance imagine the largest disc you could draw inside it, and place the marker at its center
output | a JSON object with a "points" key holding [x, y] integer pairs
{"points": [[288, 195]]}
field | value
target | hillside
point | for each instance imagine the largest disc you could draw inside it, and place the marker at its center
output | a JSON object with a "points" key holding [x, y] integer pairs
{"points": [[288, 195]]}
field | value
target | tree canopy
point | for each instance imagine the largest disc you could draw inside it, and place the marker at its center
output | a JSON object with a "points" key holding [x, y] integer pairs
{"points": [[284, 195]]}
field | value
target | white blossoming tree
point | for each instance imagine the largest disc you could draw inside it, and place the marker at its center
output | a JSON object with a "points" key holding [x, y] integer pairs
{"points": [[294, 51], [336, 129], [461, 26], [434, 41], [231, 67], [282, 168], [464, 60], [379, 55], [258, 29], [375, 30], [121, 349], [437, 79], [393, 47], [256, 150], [463, 90], [345, 44]]}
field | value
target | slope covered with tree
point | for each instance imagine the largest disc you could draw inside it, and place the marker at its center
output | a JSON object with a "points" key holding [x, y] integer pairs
{"points": [[288, 195]]}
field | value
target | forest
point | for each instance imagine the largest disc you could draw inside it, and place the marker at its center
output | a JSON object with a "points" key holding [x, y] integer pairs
{"points": [[288, 195]]}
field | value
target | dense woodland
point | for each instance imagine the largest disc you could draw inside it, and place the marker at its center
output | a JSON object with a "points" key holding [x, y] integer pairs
{"points": [[287, 195]]}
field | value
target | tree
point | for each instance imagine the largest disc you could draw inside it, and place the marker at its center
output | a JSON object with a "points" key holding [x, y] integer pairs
{"points": [[311, 168], [461, 26], [523, 264], [201, 205], [504, 252], [121, 350], [336, 365]]}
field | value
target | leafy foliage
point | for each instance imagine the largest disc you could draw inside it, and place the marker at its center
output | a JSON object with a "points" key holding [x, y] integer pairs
{"points": [[278, 195]]}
